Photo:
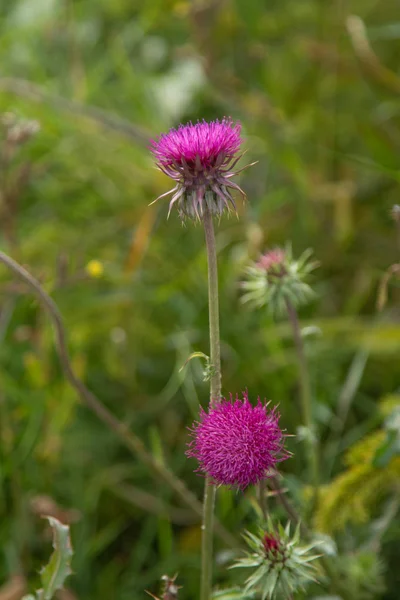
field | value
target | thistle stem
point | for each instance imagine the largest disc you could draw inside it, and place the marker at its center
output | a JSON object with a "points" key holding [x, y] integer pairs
{"points": [[215, 395], [305, 395], [262, 498], [215, 354]]}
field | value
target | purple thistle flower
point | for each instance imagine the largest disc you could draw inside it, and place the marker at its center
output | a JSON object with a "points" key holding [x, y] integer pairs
{"points": [[236, 443], [274, 260], [200, 159], [271, 544]]}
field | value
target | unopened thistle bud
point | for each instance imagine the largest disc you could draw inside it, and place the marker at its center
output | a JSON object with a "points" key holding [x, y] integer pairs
{"points": [[200, 159], [277, 278], [169, 589], [282, 564]]}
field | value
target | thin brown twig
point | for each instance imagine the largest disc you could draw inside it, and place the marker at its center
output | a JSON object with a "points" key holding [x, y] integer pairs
{"points": [[27, 89], [262, 498], [129, 439], [382, 296], [288, 506], [367, 57]]}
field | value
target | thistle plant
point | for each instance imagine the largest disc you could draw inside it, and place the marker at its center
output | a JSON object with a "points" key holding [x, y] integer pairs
{"points": [[282, 565], [200, 159], [237, 443], [170, 589], [279, 282]]}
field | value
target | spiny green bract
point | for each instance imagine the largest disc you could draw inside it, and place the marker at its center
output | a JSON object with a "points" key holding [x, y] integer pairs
{"points": [[281, 564]]}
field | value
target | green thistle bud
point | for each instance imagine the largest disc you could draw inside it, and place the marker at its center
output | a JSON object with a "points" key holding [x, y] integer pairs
{"points": [[276, 278], [282, 565], [170, 589]]}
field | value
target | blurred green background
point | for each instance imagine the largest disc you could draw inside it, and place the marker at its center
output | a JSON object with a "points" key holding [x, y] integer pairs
{"points": [[317, 92]]}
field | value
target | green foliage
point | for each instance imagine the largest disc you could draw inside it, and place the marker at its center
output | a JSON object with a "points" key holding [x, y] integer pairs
{"points": [[233, 594], [362, 574], [54, 574], [372, 474], [102, 77]]}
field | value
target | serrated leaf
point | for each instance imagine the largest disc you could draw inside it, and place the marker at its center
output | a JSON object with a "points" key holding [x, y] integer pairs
{"points": [[58, 568]]}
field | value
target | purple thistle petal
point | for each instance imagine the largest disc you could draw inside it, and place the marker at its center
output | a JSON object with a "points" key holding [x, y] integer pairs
{"points": [[206, 142], [237, 444], [272, 259], [200, 159]]}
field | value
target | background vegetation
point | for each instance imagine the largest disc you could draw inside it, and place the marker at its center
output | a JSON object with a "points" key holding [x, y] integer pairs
{"points": [[318, 97]]}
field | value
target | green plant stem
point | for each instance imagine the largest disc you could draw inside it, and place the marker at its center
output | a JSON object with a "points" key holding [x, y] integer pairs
{"points": [[36, 93], [215, 353], [207, 541], [305, 394], [262, 498], [215, 395], [131, 441]]}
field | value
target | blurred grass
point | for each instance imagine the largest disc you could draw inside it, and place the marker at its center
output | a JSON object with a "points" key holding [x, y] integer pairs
{"points": [[102, 78]]}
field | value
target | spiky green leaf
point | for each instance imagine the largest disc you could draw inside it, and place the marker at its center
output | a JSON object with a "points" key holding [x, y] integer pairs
{"points": [[58, 568]]}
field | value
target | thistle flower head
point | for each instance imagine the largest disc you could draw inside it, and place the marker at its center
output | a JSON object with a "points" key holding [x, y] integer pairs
{"points": [[200, 159], [17, 130], [282, 564], [271, 544], [277, 278], [236, 443], [273, 262], [169, 589]]}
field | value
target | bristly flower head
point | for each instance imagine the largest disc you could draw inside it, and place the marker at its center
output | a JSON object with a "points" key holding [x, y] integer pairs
{"points": [[282, 564], [200, 159], [236, 443], [170, 589], [273, 262], [277, 278]]}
